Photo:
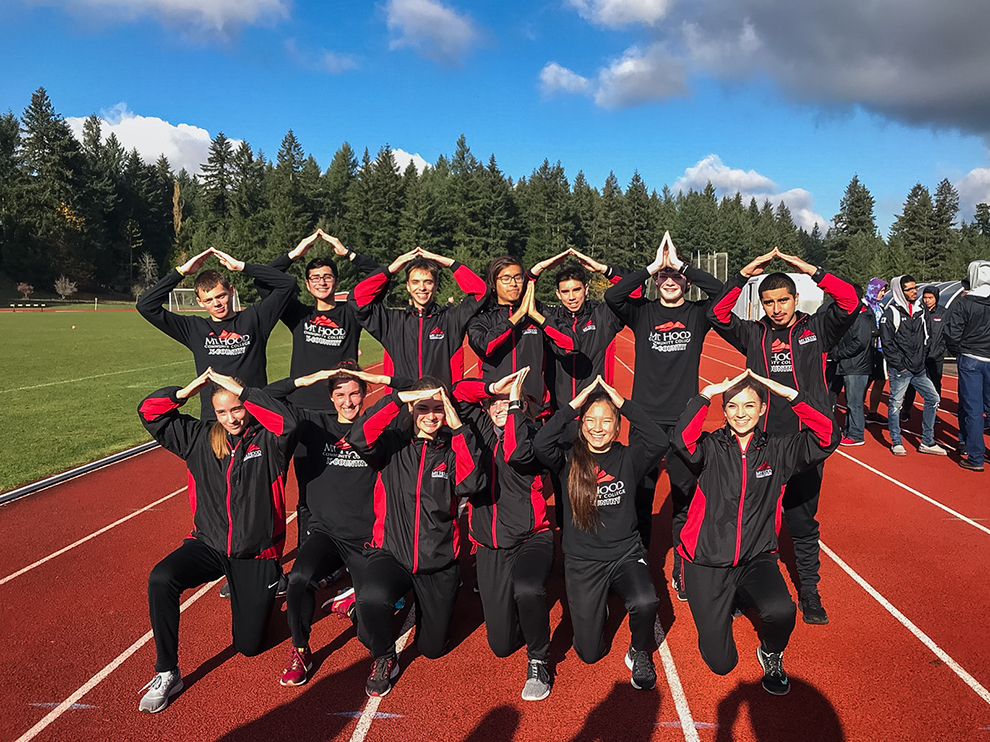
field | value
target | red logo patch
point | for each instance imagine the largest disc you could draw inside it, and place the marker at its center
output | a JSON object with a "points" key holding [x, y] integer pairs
{"points": [[342, 444], [227, 335], [807, 334], [604, 476], [670, 326], [323, 321], [778, 346]]}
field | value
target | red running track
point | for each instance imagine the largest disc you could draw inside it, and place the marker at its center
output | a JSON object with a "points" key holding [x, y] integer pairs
{"points": [[905, 656]]}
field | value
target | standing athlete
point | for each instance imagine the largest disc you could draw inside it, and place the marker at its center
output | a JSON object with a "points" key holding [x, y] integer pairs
{"points": [[425, 338], [233, 343], [669, 334], [789, 347]]}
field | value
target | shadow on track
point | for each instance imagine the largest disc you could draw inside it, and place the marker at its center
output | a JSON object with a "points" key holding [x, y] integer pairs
{"points": [[499, 725], [624, 715], [804, 714]]}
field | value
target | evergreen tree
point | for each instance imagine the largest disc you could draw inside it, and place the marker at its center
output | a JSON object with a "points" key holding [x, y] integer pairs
{"points": [[608, 219], [640, 226], [384, 197], [337, 181], [584, 207], [913, 231], [218, 177]]}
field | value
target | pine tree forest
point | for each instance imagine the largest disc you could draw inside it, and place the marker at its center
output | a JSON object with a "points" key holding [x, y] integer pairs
{"points": [[98, 216]]}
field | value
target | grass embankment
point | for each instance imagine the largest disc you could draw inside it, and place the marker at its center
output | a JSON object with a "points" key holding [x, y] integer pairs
{"points": [[69, 396]]}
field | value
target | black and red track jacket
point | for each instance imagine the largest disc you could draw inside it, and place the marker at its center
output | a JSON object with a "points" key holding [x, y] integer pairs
{"points": [[234, 346], [505, 348], [669, 341], [595, 326], [420, 343], [620, 469], [809, 340], [320, 339], [418, 487], [238, 502], [736, 508], [513, 506]]}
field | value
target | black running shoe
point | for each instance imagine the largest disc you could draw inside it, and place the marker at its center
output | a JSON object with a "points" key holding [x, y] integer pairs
{"points": [[283, 586], [774, 678], [811, 608], [225, 590], [384, 671], [677, 580], [644, 674]]}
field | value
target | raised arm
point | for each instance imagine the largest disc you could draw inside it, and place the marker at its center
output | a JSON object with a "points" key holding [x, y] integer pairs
{"points": [[149, 304], [175, 432]]}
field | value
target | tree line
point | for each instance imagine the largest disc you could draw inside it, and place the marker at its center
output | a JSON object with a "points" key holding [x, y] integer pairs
{"points": [[92, 213]]}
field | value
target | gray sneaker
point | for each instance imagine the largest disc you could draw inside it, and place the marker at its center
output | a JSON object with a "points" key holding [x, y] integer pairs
{"points": [[898, 450], [537, 681], [161, 688], [934, 449]]}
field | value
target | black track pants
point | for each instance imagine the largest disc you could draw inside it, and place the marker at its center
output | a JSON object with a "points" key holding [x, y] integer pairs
{"points": [[682, 485], [800, 511], [711, 592], [320, 555], [512, 583], [588, 583], [385, 582], [253, 583]]}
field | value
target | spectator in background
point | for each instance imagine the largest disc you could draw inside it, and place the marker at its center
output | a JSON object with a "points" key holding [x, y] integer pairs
{"points": [[939, 317], [854, 364], [968, 338], [876, 290], [905, 332]]}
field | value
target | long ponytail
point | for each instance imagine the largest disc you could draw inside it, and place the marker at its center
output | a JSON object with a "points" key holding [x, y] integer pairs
{"points": [[582, 480]]}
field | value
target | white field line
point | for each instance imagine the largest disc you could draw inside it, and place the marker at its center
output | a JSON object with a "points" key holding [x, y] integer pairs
{"points": [[84, 539], [918, 633], [114, 664], [371, 707], [674, 683], [94, 376]]}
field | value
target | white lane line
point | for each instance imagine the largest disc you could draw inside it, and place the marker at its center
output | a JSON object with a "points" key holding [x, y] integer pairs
{"points": [[95, 376], [86, 687], [674, 683], [919, 634], [371, 707], [915, 492], [91, 536]]}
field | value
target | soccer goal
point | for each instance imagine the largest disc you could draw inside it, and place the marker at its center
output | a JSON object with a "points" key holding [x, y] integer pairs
{"points": [[184, 300]]}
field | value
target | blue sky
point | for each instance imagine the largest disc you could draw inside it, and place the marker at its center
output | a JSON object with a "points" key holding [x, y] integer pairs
{"points": [[776, 99]]}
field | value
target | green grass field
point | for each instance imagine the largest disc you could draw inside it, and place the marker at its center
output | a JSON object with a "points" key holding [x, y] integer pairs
{"points": [[69, 396]]}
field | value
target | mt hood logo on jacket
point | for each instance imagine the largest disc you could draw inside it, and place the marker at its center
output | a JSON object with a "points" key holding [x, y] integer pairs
{"points": [[226, 344], [440, 471], [437, 334], [763, 471], [780, 357], [253, 452], [322, 330], [670, 337], [341, 454], [807, 337], [610, 490]]}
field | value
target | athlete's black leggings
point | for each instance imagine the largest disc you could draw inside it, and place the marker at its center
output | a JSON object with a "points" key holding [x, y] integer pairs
{"points": [[253, 583], [682, 486], [320, 555], [711, 592], [588, 583], [512, 583], [800, 514], [386, 580]]}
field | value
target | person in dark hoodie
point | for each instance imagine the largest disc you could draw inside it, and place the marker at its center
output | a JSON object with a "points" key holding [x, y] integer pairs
{"points": [[854, 363], [905, 331], [876, 290], [968, 338], [789, 346], [934, 361], [729, 544]]}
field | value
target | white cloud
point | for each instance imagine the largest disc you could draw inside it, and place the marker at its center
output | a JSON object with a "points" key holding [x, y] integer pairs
{"points": [[184, 145], [639, 77], [616, 13], [973, 189], [750, 184], [555, 78], [403, 158], [431, 29], [324, 60], [215, 17]]}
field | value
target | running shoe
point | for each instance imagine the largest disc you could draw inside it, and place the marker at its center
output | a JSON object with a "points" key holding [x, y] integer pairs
{"points": [[969, 465], [875, 418], [934, 449], [343, 604], [283, 585], [774, 678], [329, 580], [847, 441], [811, 608], [384, 671], [225, 590], [300, 663], [644, 674], [898, 450], [677, 583], [159, 690], [537, 681]]}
